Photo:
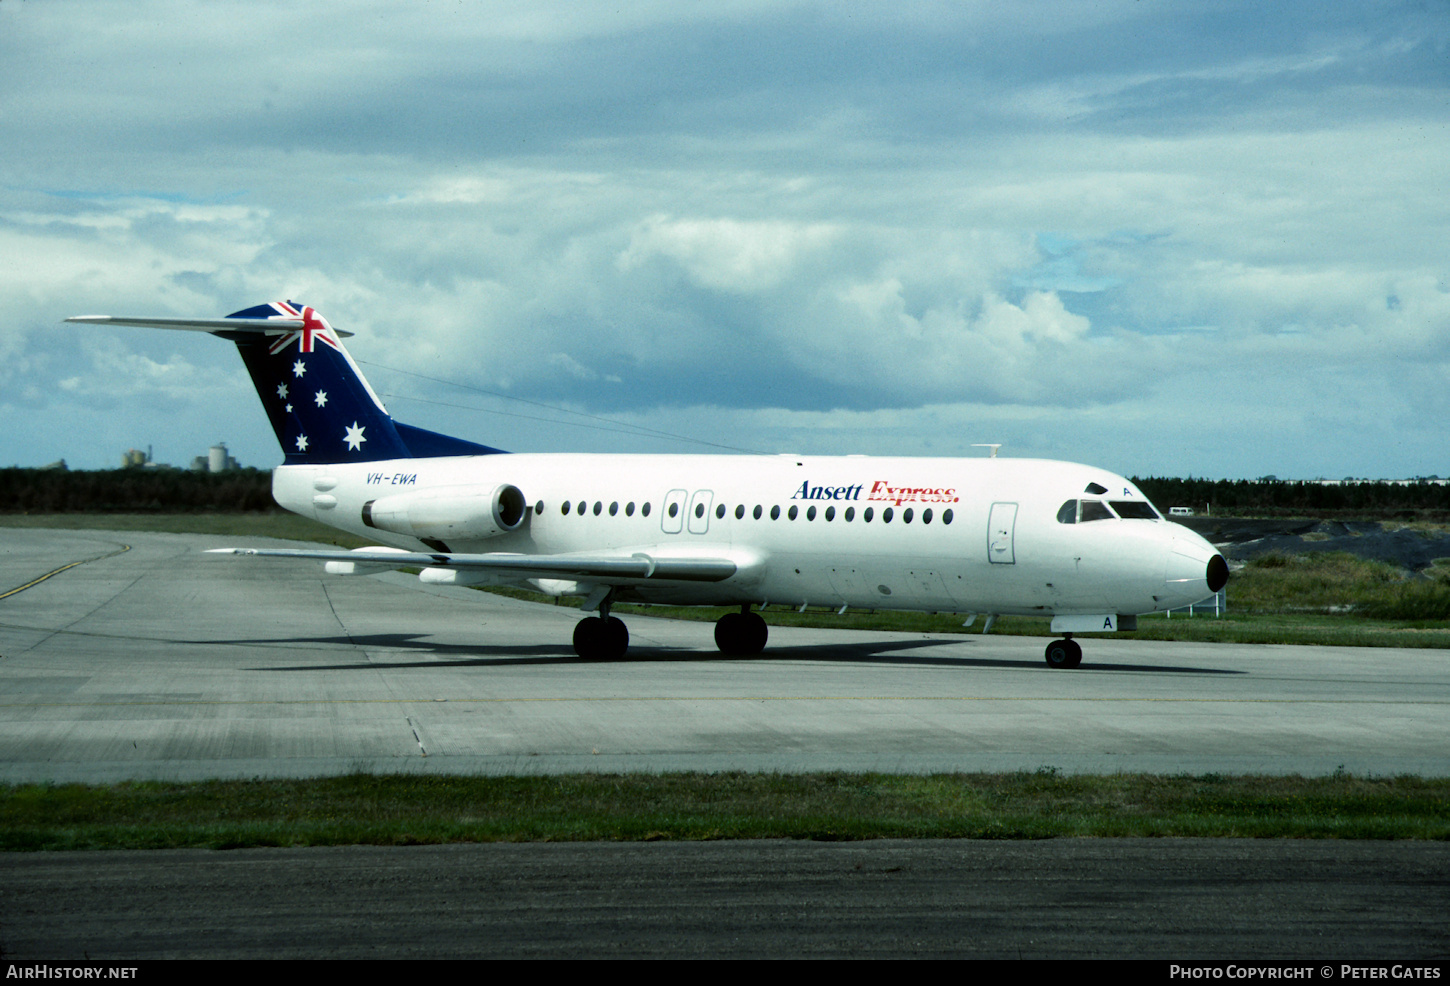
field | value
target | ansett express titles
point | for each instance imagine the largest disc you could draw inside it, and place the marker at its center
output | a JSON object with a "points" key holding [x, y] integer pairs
{"points": [[881, 491]]}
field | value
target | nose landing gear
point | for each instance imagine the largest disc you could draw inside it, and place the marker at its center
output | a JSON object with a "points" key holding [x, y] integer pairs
{"points": [[1064, 653]]}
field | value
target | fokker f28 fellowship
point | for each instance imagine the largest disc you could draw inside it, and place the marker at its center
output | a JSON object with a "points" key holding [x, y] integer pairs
{"points": [[974, 536]]}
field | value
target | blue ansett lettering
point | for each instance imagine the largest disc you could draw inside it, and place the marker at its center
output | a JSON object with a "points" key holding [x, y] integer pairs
{"points": [[809, 492]]}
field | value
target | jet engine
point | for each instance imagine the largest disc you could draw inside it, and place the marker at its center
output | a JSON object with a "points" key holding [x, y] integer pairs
{"points": [[449, 513]]}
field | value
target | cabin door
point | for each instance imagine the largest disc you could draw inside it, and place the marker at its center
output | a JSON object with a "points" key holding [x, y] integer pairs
{"points": [[1000, 529]]}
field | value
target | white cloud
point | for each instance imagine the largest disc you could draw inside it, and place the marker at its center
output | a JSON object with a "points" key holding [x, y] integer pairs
{"points": [[965, 219], [727, 254]]}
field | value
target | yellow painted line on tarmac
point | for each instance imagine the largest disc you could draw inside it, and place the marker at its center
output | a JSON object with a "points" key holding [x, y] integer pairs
{"points": [[47, 575], [63, 568]]}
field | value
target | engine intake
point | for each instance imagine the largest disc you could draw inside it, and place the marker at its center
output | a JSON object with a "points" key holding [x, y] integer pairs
{"points": [[450, 513]]}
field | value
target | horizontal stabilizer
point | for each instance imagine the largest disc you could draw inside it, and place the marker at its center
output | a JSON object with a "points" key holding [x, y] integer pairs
{"points": [[265, 326]]}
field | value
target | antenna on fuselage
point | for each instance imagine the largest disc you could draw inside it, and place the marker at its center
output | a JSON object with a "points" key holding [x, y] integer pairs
{"points": [[989, 445]]}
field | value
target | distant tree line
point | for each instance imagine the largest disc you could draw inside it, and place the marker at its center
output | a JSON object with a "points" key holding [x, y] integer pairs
{"points": [[58, 491], [1281, 498]]}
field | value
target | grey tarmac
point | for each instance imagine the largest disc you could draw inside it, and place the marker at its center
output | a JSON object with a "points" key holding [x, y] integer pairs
{"points": [[164, 662]]}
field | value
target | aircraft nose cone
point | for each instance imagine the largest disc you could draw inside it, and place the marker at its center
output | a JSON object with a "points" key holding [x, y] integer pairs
{"points": [[1217, 572], [1195, 569]]}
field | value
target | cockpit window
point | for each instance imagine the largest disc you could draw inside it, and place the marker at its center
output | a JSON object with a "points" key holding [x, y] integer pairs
{"points": [[1095, 489], [1082, 511]]}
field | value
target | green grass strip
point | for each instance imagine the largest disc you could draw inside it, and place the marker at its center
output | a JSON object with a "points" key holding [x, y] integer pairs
{"points": [[366, 809]]}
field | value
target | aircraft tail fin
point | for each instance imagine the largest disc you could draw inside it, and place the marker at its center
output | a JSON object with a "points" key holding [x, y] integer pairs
{"points": [[319, 403]]}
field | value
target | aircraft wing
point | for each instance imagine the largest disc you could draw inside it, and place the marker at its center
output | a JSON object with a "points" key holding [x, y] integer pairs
{"points": [[584, 566]]}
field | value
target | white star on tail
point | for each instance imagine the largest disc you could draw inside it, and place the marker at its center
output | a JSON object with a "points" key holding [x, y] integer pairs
{"points": [[302, 443], [322, 398], [354, 437], [282, 390], [299, 368]]}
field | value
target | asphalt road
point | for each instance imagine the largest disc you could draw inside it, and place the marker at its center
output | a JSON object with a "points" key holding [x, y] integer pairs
{"points": [[1164, 899], [1410, 548]]}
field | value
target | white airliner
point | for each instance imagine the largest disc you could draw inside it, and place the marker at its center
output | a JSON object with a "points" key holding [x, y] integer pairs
{"points": [[973, 536]]}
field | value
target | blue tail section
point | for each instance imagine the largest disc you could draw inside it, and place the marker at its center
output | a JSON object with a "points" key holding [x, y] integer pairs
{"points": [[320, 406]]}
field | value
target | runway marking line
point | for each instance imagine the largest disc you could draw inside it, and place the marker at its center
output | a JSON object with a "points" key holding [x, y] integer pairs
{"points": [[64, 568]]}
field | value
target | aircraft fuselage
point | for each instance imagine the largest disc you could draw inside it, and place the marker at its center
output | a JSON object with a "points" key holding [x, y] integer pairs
{"points": [[948, 535]]}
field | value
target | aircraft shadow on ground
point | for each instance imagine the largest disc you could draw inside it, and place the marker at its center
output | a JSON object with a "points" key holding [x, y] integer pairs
{"points": [[504, 655]]}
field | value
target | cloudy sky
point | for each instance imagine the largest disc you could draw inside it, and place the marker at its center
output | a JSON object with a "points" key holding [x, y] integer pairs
{"points": [[1206, 239]]}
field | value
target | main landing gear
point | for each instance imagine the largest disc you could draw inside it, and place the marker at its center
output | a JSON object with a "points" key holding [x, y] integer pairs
{"points": [[1064, 653], [601, 638], [606, 638], [741, 633]]}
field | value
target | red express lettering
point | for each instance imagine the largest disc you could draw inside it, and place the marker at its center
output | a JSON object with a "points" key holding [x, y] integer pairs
{"points": [[883, 491]]}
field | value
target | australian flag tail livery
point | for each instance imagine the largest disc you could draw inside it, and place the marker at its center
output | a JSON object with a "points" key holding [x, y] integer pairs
{"points": [[321, 408]]}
